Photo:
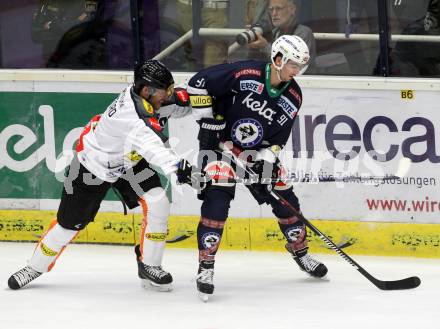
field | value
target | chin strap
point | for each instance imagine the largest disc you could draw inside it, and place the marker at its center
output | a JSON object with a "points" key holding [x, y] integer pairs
{"points": [[279, 74], [278, 71]]}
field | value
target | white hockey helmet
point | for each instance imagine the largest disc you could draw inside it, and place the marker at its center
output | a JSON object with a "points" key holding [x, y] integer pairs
{"points": [[291, 47]]}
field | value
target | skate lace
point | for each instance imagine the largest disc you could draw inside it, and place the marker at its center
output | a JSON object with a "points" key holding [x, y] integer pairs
{"points": [[155, 271], [26, 275], [309, 263], [206, 275]]}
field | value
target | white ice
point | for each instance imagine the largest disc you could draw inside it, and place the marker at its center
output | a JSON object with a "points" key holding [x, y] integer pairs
{"points": [[96, 286]]}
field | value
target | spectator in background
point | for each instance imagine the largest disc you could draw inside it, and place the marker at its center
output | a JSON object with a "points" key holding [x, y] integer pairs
{"points": [[416, 58], [431, 22], [403, 12], [256, 13], [68, 33], [49, 23], [358, 16], [283, 16], [214, 14]]}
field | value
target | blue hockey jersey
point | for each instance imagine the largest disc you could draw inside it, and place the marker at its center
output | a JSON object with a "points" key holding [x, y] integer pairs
{"points": [[256, 114]]}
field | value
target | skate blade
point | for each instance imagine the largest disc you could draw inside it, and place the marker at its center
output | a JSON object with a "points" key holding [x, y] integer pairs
{"points": [[204, 297], [149, 285], [322, 278]]}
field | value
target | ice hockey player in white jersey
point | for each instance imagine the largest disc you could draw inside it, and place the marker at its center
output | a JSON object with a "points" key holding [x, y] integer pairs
{"points": [[117, 149]]}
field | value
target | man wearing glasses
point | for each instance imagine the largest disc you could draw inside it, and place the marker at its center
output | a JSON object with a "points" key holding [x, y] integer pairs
{"points": [[283, 15]]}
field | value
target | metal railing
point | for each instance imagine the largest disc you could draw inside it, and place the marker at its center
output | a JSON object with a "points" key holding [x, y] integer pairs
{"points": [[216, 32]]}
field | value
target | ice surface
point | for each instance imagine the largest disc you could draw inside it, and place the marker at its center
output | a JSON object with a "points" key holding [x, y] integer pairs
{"points": [[94, 286]]}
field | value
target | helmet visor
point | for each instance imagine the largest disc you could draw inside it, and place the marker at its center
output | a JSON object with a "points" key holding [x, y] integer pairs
{"points": [[170, 90], [301, 68]]}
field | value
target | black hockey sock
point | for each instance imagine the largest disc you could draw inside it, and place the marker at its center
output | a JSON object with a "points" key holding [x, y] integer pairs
{"points": [[209, 234], [294, 231]]}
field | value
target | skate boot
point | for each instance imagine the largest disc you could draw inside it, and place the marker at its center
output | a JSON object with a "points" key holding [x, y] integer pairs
{"points": [[204, 280], [153, 276], [23, 277], [307, 263]]}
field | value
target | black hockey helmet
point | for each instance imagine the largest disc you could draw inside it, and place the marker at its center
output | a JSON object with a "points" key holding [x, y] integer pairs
{"points": [[154, 74]]}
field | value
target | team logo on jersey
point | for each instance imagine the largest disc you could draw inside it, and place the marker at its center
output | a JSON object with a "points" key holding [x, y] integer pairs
{"points": [[287, 106], [252, 85], [210, 240], [257, 106], [247, 132], [248, 72], [133, 156]]}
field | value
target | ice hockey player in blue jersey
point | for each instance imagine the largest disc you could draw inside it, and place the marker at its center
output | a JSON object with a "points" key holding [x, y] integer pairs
{"points": [[251, 106]]}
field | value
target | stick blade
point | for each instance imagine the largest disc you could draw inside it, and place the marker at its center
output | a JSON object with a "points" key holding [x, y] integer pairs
{"points": [[408, 283]]}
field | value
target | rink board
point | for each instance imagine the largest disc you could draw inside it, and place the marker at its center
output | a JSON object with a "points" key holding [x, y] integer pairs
{"points": [[262, 234]]}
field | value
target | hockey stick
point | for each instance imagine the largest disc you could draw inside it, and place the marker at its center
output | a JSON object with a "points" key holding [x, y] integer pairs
{"points": [[402, 170], [348, 179], [407, 283]]}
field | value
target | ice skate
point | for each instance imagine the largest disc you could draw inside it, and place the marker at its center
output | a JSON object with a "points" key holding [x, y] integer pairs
{"points": [[153, 277], [306, 263], [22, 277], [204, 280]]}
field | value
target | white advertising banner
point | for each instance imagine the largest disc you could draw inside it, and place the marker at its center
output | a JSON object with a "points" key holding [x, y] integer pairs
{"points": [[376, 147], [363, 136]]}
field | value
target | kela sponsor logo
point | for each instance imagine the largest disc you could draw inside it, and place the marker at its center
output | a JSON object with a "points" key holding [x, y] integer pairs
{"points": [[257, 106], [45, 152], [252, 85]]}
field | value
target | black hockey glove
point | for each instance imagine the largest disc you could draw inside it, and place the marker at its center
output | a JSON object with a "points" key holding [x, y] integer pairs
{"points": [[188, 174], [210, 133], [184, 171], [268, 175]]}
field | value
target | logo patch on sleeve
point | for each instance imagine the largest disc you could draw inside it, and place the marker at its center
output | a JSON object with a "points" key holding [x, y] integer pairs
{"points": [[200, 101]]}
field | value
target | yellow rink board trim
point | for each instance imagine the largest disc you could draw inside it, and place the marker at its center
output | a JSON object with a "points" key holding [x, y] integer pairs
{"points": [[362, 238]]}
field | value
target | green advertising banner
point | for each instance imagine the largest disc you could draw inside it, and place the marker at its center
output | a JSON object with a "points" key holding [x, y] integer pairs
{"points": [[35, 128]]}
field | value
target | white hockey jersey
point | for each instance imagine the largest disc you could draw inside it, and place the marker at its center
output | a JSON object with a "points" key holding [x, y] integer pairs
{"points": [[119, 138]]}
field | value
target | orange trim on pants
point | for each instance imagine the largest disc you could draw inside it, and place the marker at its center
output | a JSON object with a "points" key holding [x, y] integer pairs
{"points": [[60, 252], [51, 225], [144, 224]]}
